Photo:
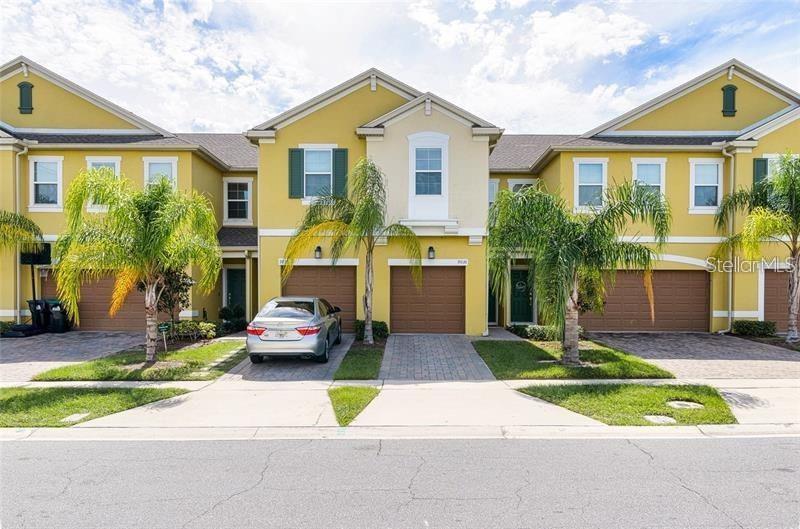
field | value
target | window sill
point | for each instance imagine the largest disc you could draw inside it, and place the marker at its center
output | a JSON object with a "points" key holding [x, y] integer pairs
{"points": [[704, 211], [40, 208], [585, 209], [307, 201]]}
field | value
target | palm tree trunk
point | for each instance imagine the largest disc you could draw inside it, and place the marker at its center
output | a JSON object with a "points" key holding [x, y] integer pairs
{"points": [[794, 300], [368, 339], [151, 317], [569, 344]]}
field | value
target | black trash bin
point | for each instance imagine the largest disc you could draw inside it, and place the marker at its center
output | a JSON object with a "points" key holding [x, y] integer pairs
{"points": [[59, 322], [40, 316]]}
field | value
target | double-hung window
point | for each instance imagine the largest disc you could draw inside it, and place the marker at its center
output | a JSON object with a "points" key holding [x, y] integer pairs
{"points": [[494, 187], [156, 167], [705, 176], [45, 183], [318, 177], [102, 162], [238, 200], [428, 171], [650, 173], [590, 182]]}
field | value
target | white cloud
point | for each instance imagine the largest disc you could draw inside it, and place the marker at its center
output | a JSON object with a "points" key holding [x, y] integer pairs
{"points": [[527, 67]]}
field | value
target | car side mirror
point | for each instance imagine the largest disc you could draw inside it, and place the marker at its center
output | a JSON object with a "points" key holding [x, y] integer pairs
{"points": [[337, 309]]}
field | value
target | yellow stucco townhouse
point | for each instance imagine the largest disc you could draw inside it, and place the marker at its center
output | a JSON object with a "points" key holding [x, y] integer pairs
{"points": [[444, 165]]}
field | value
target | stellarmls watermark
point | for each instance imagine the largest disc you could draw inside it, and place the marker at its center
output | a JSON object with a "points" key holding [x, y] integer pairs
{"points": [[738, 264]]}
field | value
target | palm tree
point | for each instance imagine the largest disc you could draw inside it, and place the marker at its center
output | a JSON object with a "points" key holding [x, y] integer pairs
{"points": [[143, 235], [351, 224], [569, 254], [16, 229], [772, 207]]}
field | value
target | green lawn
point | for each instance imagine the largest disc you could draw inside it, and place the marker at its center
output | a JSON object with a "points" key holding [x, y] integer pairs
{"points": [[182, 364], [522, 360], [626, 404], [349, 401], [362, 362], [32, 407]]}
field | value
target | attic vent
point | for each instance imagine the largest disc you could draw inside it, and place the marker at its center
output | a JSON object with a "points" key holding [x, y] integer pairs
{"points": [[729, 100], [25, 97]]}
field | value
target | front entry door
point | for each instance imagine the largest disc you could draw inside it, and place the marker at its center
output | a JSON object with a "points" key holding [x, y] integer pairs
{"points": [[234, 287], [521, 297], [492, 308]]}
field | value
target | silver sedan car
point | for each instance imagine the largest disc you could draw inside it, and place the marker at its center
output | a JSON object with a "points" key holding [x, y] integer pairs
{"points": [[304, 327]]}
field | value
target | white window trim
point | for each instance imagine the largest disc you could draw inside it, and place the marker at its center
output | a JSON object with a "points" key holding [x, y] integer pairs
{"points": [[705, 210], [147, 160], [772, 161], [652, 161], [46, 208], [576, 162], [437, 206], [116, 160], [307, 200], [493, 182], [237, 180], [520, 181]]}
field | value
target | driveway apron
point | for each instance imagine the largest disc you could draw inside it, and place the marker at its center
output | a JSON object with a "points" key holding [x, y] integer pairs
{"points": [[432, 357], [23, 358], [690, 355]]}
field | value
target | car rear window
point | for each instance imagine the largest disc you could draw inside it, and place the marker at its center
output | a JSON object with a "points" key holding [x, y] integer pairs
{"points": [[287, 309]]}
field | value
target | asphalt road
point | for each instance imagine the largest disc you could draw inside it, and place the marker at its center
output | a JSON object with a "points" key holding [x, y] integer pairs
{"points": [[349, 484]]}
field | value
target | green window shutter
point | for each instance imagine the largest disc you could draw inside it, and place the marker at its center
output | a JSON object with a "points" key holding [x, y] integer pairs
{"points": [[760, 166], [295, 173], [729, 100], [340, 172], [25, 97]]}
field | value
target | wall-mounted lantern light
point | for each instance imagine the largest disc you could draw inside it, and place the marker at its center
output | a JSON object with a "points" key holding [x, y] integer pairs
{"points": [[431, 253], [318, 252]]}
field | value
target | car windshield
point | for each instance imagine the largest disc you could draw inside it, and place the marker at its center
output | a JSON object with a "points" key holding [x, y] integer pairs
{"points": [[287, 309]]}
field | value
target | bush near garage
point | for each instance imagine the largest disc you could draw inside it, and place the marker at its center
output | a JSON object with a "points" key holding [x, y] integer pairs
{"points": [[380, 331], [759, 329], [538, 333]]}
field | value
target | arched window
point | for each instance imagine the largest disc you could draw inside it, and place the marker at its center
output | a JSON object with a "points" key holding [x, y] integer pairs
{"points": [[25, 97], [729, 100]]}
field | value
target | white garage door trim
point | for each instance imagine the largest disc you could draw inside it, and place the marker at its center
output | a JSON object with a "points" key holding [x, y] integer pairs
{"points": [[429, 262]]}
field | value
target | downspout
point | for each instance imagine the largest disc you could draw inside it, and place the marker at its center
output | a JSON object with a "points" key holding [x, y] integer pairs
{"points": [[17, 285], [731, 222]]}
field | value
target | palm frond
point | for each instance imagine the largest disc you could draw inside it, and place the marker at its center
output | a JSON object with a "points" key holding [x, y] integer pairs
{"points": [[305, 241], [16, 229], [409, 243]]}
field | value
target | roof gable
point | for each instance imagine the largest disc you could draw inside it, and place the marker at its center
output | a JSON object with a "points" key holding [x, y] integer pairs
{"points": [[372, 77], [68, 106], [694, 108]]}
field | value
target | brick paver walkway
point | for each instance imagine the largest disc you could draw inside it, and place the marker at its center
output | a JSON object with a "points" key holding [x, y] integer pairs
{"points": [[707, 355], [432, 357], [23, 358], [291, 369]]}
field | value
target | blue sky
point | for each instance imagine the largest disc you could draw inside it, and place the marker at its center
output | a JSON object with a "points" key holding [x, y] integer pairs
{"points": [[526, 65]]}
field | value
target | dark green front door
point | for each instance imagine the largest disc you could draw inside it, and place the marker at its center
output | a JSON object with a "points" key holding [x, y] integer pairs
{"points": [[521, 297], [492, 307], [234, 288]]}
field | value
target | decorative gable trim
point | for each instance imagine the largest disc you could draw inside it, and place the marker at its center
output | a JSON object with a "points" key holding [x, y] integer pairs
{"points": [[371, 78], [24, 65], [771, 126], [429, 102], [732, 67]]}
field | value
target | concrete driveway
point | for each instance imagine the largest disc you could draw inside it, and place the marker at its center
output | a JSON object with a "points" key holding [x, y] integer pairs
{"points": [[689, 355], [23, 358]]}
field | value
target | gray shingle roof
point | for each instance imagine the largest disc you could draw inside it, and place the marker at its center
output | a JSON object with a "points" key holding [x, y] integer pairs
{"points": [[519, 151], [230, 236], [122, 139], [234, 149], [616, 141]]}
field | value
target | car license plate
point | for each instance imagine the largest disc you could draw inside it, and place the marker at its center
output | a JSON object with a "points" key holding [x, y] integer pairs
{"points": [[276, 335]]}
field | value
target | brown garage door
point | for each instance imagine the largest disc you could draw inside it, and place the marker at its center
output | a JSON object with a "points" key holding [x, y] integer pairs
{"points": [[776, 298], [93, 307], [337, 284], [437, 307], [681, 303]]}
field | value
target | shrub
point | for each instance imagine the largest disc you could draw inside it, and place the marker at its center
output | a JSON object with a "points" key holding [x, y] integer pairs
{"points": [[186, 330], [224, 327], [5, 326], [235, 312], [539, 333], [207, 330], [754, 328], [380, 331]]}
